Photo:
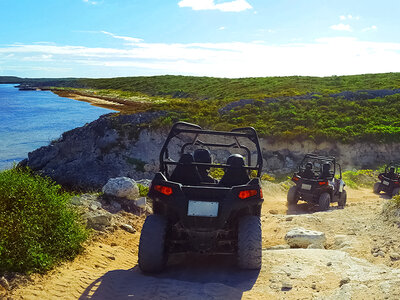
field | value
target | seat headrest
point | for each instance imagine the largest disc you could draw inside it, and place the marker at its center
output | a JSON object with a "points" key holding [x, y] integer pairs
{"points": [[235, 160], [202, 156], [326, 166], [186, 158]]}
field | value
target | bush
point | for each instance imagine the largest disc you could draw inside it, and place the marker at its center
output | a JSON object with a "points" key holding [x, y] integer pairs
{"points": [[38, 227], [267, 177], [216, 173], [143, 190], [396, 201], [360, 178]]}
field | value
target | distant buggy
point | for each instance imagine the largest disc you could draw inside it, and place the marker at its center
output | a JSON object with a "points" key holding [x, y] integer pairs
{"points": [[318, 182], [195, 213], [389, 180]]}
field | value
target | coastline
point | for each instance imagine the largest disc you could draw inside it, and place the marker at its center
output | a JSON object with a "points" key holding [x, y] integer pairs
{"points": [[117, 104], [95, 101]]}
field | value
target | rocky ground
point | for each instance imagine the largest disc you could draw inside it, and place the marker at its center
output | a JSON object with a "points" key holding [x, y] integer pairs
{"points": [[360, 261]]}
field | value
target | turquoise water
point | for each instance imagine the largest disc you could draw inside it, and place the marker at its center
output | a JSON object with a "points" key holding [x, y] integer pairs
{"points": [[31, 119]]}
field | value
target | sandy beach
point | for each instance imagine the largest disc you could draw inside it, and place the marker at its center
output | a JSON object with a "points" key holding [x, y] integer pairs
{"points": [[95, 101]]}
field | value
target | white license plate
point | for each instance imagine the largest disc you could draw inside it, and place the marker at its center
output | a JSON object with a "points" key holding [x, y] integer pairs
{"points": [[202, 209], [306, 186], [385, 182]]}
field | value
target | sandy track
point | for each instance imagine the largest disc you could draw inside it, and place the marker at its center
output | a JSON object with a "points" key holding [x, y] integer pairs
{"points": [[108, 268]]}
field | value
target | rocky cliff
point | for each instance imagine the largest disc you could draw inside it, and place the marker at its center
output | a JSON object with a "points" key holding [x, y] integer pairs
{"points": [[124, 145]]}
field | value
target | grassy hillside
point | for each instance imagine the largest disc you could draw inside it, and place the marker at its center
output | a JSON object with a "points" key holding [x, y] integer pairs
{"points": [[342, 108], [278, 107], [235, 89]]}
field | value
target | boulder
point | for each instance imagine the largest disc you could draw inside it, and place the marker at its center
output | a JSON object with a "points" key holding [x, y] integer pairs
{"points": [[303, 238], [98, 219], [121, 187]]}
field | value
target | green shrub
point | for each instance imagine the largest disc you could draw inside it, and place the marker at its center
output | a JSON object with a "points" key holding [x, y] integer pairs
{"points": [[216, 173], [143, 190], [38, 228], [267, 177], [359, 178], [396, 201]]}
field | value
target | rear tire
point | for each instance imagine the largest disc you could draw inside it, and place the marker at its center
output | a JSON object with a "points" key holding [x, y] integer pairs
{"points": [[152, 253], [292, 197], [396, 191], [249, 243], [377, 188], [324, 201], [342, 199]]}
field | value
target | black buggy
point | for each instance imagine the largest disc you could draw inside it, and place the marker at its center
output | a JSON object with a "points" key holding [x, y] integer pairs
{"points": [[193, 212], [318, 182], [389, 180]]}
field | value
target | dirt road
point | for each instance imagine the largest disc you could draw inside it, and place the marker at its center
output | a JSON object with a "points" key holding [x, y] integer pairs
{"points": [[357, 264]]}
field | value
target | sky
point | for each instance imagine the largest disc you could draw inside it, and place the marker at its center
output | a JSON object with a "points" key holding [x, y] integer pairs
{"points": [[219, 38]]}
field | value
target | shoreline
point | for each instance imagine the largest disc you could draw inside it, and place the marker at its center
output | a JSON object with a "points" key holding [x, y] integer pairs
{"points": [[95, 101], [118, 105]]}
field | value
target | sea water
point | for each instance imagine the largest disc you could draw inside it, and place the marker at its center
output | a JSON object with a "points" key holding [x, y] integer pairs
{"points": [[31, 119]]}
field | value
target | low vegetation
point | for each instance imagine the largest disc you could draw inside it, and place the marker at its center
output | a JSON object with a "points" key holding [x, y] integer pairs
{"points": [[337, 108], [360, 178], [38, 228], [143, 190]]}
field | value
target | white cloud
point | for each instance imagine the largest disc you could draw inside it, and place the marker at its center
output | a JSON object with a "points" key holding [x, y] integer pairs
{"points": [[91, 2], [341, 27], [349, 17], [371, 28], [222, 28], [230, 6], [125, 38], [323, 57]]}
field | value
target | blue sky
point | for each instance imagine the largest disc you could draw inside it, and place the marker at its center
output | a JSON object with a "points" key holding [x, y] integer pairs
{"points": [[223, 38]]}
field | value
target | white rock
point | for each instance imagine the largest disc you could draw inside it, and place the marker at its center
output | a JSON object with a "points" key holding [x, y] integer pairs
{"points": [[303, 238], [121, 187], [95, 205], [128, 228], [141, 202], [98, 219]]}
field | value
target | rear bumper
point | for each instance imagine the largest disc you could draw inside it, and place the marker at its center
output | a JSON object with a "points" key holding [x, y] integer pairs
{"points": [[197, 233], [312, 195]]}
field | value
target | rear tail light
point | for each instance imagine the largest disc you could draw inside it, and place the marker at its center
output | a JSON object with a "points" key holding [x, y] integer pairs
{"points": [[380, 177], [323, 183], [295, 178], [396, 182], [247, 193], [261, 194], [166, 190]]}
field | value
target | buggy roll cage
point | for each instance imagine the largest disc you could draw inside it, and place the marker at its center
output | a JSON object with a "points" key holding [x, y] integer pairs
{"points": [[395, 164], [184, 127], [331, 159]]}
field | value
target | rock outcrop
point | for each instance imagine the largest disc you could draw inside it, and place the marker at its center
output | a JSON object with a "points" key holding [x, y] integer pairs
{"points": [[112, 146], [125, 146]]}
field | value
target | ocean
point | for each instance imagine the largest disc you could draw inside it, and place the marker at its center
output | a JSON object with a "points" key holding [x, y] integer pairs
{"points": [[31, 119]]}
